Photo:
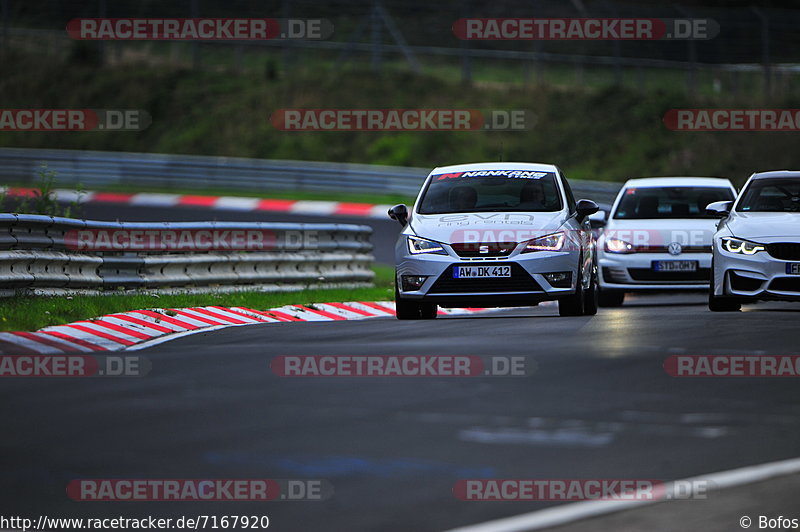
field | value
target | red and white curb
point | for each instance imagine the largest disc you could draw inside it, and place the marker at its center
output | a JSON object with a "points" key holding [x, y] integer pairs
{"points": [[129, 330], [230, 203]]}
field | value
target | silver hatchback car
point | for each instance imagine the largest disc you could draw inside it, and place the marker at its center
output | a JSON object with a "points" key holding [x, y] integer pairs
{"points": [[495, 235]]}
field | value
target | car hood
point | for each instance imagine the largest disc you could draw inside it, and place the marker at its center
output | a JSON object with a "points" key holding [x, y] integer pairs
{"points": [[486, 226], [765, 226]]}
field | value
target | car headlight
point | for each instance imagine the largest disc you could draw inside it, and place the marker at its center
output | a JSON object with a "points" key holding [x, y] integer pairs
{"points": [[419, 245], [737, 245], [615, 245], [553, 242]]}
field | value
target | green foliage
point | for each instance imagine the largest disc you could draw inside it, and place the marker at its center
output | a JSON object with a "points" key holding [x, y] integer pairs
{"points": [[43, 201]]}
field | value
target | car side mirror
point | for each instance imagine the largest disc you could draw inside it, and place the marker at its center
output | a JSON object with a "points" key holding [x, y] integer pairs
{"points": [[399, 213], [719, 209], [585, 208], [598, 219]]}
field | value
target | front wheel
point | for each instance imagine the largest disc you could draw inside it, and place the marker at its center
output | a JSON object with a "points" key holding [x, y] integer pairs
{"points": [[572, 305], [411, 310], [591, 297], [718, 303]]}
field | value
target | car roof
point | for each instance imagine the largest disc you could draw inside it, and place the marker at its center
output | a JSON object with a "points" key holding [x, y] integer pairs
{"points": [[777, 173], [537, 167], [644, 182]]}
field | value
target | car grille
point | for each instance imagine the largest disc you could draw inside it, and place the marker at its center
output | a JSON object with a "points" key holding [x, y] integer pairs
{"points": [[665, 249], [520, 281], [483, 249], [647, 274], [784, 250], [785, 284]]}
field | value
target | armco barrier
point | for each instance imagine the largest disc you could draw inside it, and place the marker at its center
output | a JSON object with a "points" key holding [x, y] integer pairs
{"points": [[96, 169], [40, 252]]}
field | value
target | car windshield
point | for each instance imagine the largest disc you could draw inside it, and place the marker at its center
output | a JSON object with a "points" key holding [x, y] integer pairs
{"points": [[491, 191], [771, 195], [669, 202]]}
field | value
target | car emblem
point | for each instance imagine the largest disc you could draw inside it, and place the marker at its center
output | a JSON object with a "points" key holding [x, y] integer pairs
{"points": [[483, 249], [674, 248]]}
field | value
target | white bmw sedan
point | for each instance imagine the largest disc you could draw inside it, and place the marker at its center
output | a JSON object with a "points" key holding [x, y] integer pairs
{"points": [[658, 236], [757, 245]]}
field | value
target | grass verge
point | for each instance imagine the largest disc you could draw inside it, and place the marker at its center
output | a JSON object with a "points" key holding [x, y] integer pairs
{"points": [[33, 313]]}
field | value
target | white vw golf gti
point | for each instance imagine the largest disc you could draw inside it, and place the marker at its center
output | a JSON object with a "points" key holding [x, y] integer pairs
{"points": [[495, 235], [658, 236]]}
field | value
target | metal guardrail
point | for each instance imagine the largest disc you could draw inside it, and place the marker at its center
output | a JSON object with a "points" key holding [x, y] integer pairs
{"points": [[97, 169], [43, 252]]}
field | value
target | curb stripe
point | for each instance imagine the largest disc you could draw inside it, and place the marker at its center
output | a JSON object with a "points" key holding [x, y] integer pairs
{"points": [[111, 197], [47, 341], [190, 313], [379, 307], [117, 328], [225, 311], [79, 341], [14, 348], [348, 308], [140, 328], [220, 316], [278, 205], [101, 334], [142, 323], [321, 313], [168, 319], [197, 201], [236, 203]]}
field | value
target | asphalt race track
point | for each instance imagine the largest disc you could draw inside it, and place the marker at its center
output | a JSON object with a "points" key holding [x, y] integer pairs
{"points": [[599, 405]]}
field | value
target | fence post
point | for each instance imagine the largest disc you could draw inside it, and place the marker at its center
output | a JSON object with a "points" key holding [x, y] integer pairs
{"points": [[102, 12], [5, 8], [376, 37], [195, 13], [286, 53], [765, 60], [466, 59], [691, 73]]}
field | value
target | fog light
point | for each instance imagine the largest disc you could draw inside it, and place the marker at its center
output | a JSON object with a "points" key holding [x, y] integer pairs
{"points": [[412, 282], [559, 279]]}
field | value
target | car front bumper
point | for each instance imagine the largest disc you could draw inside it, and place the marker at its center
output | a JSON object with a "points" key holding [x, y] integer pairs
{"points": [[527, 284], [758, 276], [634, 272]]}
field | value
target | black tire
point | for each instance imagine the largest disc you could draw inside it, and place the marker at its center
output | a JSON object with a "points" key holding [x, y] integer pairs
{"points": [[572, 305], [721, 303], [411, 310], [611, 298], [591, 297]]}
